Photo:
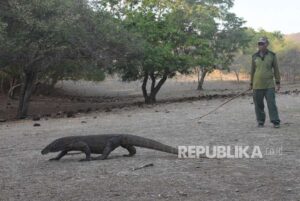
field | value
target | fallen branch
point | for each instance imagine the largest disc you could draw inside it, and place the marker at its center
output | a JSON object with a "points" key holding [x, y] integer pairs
{"points": [[144, 166]]}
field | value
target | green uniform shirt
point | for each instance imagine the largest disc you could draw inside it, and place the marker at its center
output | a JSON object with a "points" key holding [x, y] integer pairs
{"points": [[263, 71]]}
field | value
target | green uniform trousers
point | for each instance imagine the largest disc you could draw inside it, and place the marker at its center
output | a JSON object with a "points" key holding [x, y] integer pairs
{"points": [[258, 99]]}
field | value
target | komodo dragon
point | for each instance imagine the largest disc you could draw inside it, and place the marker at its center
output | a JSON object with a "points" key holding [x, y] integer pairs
{"points": [[103, 144]]}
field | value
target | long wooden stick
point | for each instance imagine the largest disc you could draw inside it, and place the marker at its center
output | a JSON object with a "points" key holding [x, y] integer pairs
{"points": [[238, 95]]}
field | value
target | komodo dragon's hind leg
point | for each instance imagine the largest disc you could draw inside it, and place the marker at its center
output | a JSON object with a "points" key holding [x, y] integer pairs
{"points": [[111, 145], [131, 149], [59, 156]]}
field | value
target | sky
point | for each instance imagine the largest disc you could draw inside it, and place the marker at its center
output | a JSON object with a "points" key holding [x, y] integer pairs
{"points": [[271, 15]]}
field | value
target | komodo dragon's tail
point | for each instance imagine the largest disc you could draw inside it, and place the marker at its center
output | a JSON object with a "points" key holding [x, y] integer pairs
{"points": [[148, 143]]}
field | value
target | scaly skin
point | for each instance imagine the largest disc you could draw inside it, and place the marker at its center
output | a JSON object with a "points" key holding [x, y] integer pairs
{"points": [[103, 144]]}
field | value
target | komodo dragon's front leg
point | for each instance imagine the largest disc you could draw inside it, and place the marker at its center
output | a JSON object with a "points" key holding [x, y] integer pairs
{"points": [[76, 146], [59, 156]]}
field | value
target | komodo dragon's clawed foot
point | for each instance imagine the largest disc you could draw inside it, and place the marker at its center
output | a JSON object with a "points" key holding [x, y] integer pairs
{"points": [[98, 158], [128, 155], [53, 159], [85, 159]]}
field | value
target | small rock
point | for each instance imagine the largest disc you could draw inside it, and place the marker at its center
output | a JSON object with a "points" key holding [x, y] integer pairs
{"points": [[80, 110], [139, 104], [59, 113], [182, 194], [83, 122], [36, 118], [95, 117], [163, 196], [70, 114], [107, 109], [88, 110], [2, 120], [36, 124]]}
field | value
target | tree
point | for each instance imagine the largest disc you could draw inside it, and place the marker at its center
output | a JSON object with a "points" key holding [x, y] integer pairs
{"points": [[57, 39], [289, 61], [242, 58], [240, 64], [36, 39], [224, 39], [2, 31], [164, 35], [177, 35]]}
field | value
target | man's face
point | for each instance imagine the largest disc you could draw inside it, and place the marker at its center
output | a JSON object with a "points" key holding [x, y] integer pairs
{"points": [[262, 46]]}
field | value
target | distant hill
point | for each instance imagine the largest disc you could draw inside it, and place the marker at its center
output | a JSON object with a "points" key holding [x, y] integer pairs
{"points": [[295, 37]]}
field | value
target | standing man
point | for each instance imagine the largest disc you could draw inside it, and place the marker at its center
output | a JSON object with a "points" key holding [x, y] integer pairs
{"points": [[264, 69]]}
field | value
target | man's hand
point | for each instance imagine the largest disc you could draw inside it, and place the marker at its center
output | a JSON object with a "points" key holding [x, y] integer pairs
{"points": [[278, 87]]}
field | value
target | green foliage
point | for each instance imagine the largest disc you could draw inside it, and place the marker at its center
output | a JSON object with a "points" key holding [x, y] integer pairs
{"points": [[178, 35], [203, 34], [60, 39], [289, 61], [286, 51], [276, 40], [2, 31], [162, 36]]}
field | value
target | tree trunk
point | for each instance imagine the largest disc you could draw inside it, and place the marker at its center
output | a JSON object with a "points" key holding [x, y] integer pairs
{"points": [[201, 81], [294, 74], [2, 86], [144, 86], [53, 82], [237, 76], [151, 98], [11, 91], [197, 69], [25, 94]]}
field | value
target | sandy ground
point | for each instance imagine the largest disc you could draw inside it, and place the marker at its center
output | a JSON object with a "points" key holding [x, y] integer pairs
{"points": [[111, 93], [27, 175], [78, 97]]}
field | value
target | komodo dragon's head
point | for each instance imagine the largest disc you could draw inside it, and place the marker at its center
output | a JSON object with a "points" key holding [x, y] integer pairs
{"points": [[55, 146]]}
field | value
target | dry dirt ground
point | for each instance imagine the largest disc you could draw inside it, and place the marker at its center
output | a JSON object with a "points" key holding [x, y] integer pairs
{"points": [[79, 97], [27, 175]]}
